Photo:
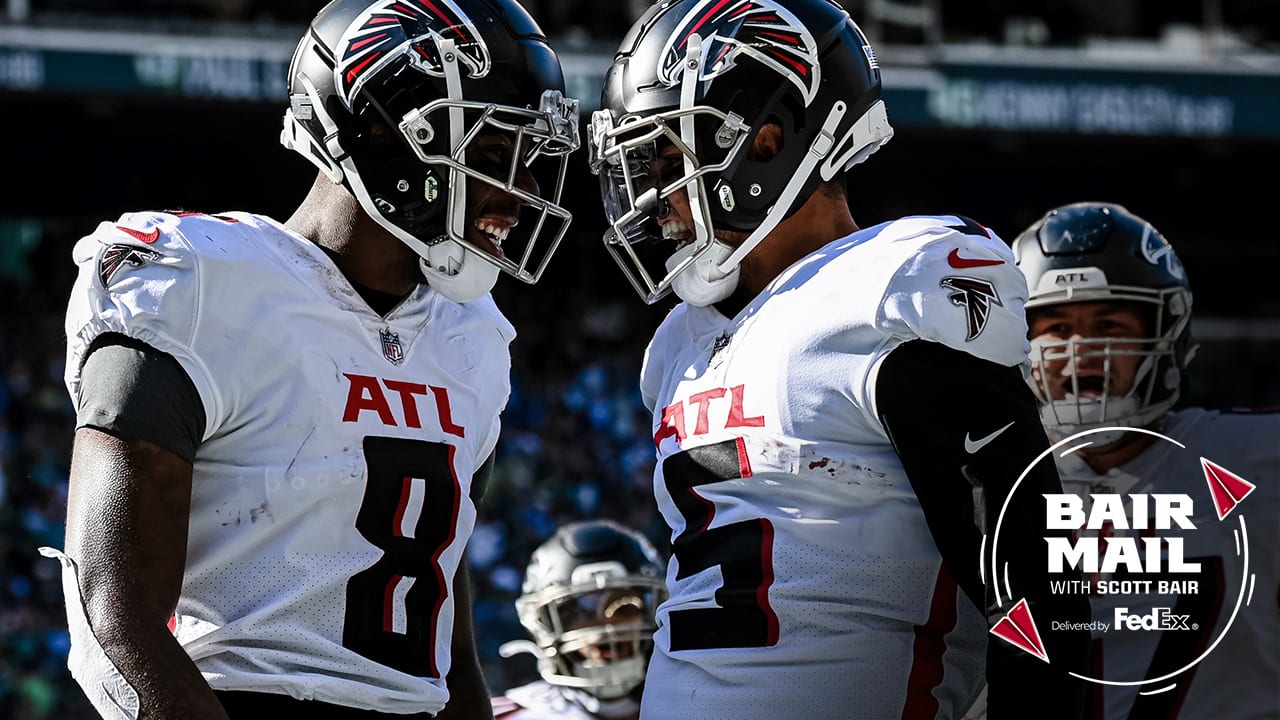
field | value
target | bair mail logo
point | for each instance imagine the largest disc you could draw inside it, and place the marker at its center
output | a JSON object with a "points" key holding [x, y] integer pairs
{"points": [[1149, 553]]}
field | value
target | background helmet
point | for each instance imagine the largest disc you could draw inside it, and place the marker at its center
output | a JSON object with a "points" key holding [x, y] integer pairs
{"points": [[1089, 252], [589, 598], [705, 76], [386, 96]]}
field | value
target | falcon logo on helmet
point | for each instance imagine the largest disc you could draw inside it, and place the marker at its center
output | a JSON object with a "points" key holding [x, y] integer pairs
{"points": [[412, 28], [976, 297], [759, 29], [1156, 249]]}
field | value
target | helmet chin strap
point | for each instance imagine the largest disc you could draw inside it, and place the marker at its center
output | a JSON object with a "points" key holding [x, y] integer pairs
{"points": [[713, 275], [702, 283], [457, 183], [446, 263], [449, 269], [819, 149], [445, 267], [693, 64]]}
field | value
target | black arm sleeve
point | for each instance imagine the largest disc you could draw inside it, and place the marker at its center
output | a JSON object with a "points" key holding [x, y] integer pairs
{"points": [[131, 389], [937, 404], [480, 480]]}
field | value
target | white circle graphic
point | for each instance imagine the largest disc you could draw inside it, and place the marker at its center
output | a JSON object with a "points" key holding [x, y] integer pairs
{"points": [[997, 572]]}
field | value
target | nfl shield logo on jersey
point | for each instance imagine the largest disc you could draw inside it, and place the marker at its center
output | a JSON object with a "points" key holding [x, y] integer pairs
{"points": [[720, 344], [391, 348]]}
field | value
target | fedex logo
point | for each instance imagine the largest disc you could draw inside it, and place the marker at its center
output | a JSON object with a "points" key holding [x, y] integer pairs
{"points": [[1160, 618], [677, 416], [365, 394]]}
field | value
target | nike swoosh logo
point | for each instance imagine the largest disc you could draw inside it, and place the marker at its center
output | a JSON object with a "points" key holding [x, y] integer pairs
{"points": [[959, 263], [973, 446], [146, 237]]}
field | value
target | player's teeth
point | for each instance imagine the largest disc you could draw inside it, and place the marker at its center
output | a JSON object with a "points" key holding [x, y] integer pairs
{"points": [[673, 229], [495, 233]]}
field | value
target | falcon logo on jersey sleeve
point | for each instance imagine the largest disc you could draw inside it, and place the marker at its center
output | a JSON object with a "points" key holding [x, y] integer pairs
{"points": [[976, 297], [116, 256], [393, 29], [759, 29]]}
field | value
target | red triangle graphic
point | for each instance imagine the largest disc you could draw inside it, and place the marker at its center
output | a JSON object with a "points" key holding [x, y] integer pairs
{"points": [[1021, 616], [1018, 629], [1222, 502], [1006, 630], [1227, 488]]}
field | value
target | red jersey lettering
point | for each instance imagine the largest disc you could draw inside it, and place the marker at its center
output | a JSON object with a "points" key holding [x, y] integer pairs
{"points": [[365, 393], [673, 423]]}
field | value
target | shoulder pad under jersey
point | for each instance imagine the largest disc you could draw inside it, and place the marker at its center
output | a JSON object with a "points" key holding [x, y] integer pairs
{"points": [[140, 276], [957, 284]]}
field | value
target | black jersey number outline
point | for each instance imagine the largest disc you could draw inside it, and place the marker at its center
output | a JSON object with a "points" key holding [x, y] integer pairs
{"points": [[742, 550], [393, 606]]}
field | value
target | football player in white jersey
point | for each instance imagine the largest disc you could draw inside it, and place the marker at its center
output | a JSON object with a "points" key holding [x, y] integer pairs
{"points": [[589, 598], [282, 426], [839, 413], [1109, 315]]}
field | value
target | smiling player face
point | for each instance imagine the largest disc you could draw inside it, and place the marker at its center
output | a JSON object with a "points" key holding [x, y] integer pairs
{"points": [[1102, 362]]}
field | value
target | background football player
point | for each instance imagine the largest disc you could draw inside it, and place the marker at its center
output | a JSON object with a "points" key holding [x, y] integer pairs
{"points": [[1110, 325], [827, 399], [281, 426], [589, 597]]}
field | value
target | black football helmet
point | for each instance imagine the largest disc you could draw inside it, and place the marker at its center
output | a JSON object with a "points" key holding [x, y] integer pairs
{"points": [[589, 600], [386, 96], [704, 76], [1090, 252]]}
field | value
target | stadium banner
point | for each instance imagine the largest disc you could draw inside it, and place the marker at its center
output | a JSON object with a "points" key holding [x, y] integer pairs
{"points": [[1064, 94]]}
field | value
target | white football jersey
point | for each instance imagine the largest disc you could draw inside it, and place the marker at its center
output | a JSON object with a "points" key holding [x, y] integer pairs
{"points": [[331, 495], [804, 580], [540, 700], [1240, 676]]}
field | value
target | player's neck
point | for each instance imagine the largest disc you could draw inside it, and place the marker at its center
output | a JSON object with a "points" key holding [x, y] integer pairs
{"points": [[820, 220], [366, 253]]}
